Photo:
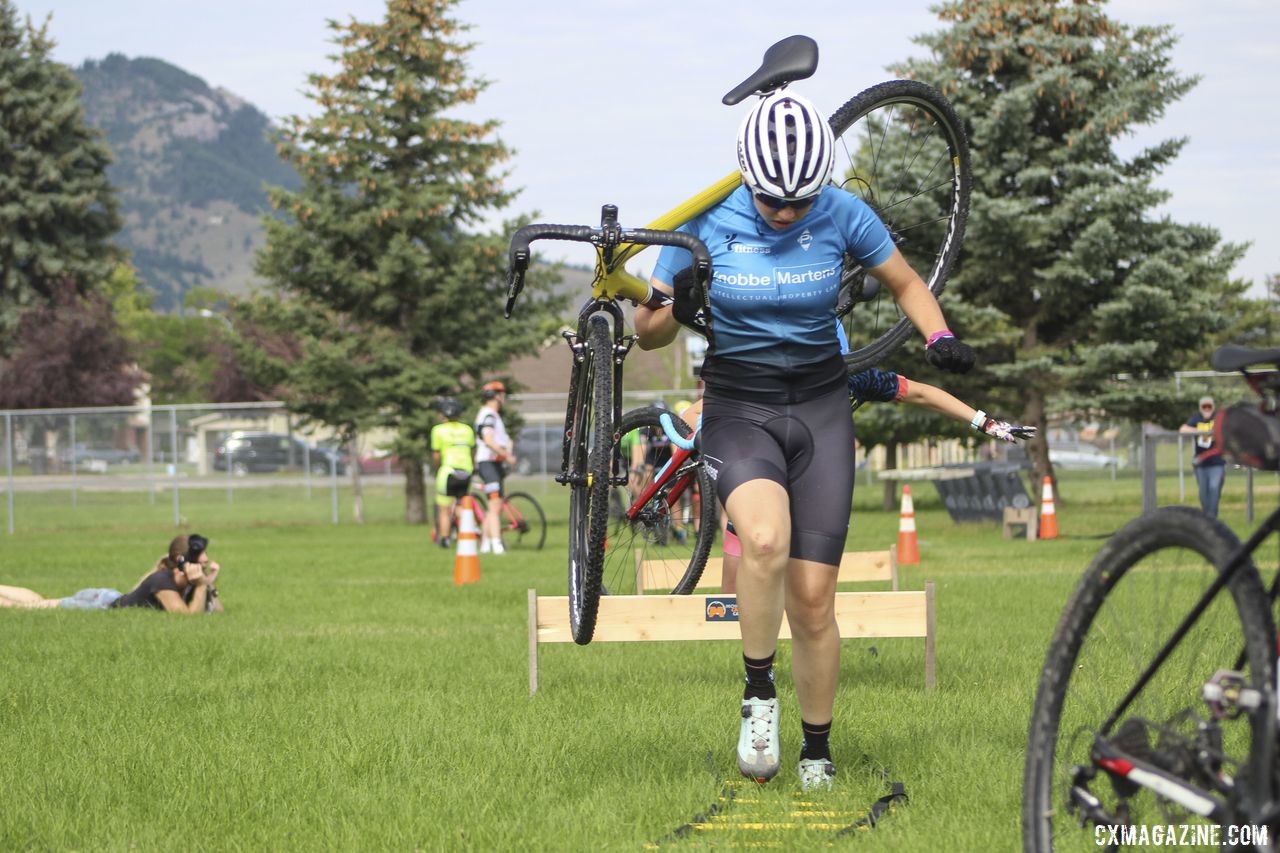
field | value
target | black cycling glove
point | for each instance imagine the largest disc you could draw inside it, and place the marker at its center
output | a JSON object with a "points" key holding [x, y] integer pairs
{"points": [[692, 306], [947, 352]]}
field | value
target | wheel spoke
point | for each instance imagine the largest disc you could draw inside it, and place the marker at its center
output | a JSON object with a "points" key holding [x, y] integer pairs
{"points": [[900, 162], [679, 532]]}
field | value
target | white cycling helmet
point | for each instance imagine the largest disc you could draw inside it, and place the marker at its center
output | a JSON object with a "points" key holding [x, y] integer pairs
{"points": [[785, 147]]}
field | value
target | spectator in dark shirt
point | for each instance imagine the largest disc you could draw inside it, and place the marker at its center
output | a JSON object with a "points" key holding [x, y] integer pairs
{"points": [[1210, 467], [181, 582]]}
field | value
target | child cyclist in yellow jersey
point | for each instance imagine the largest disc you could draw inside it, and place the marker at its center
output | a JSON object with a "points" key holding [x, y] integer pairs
{"points": [[452, 443]]}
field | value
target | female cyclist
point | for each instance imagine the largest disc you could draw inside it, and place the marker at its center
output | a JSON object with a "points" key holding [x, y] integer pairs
{"points": [[777, 435]]}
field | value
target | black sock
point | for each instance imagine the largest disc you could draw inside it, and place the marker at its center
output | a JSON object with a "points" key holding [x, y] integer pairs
{"points": [[759, 678], [816, 741]]}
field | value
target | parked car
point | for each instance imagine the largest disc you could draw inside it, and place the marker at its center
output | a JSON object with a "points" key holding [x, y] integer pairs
{"points": [[83, 455], [1082, 456], [381, 462], [1072, 456], [538, 449], [258, 452]]}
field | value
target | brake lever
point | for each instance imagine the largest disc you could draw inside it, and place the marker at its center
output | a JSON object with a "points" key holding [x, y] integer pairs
{"points": [[515, 279]]}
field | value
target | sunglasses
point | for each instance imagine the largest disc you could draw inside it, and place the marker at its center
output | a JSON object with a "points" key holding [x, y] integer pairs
{"points": [[775, 203], [1206, 407]]}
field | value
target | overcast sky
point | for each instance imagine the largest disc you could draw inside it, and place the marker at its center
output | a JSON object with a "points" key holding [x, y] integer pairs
{"points": [[619, 101]]}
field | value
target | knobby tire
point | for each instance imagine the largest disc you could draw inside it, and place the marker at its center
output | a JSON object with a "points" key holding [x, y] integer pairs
{"points": [[591, 447], [1180, 539]]}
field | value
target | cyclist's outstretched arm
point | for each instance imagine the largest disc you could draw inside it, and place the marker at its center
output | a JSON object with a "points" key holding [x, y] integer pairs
{"points": [[931, 397], [656, 327]]}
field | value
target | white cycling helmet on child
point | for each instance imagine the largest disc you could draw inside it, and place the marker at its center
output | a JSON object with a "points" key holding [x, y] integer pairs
{"points": [[785, 147]]}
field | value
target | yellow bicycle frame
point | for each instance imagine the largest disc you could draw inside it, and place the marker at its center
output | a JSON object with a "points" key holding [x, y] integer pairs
{"points": [[617, 283]]}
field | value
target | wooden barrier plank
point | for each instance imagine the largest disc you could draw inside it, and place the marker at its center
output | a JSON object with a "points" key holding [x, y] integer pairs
{"points": [[855, 567], [639, 618]]}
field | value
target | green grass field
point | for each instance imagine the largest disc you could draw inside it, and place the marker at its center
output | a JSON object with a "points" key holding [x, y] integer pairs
{"points": [[353, 698]]}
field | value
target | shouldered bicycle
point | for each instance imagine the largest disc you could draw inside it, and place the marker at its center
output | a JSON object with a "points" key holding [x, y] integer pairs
{"points": [[1157, 702], [900, 147]]}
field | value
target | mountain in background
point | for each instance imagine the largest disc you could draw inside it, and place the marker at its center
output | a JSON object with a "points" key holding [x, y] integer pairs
{"points": [[190, 164]]}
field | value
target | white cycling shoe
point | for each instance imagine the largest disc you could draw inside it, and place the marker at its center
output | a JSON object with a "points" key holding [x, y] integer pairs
{"points": [[816, 774], [759, 755]]}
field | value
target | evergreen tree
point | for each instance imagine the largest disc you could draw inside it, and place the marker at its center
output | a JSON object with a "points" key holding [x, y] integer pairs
{"points": [[1256, 322], [382, 248], [57, 211], [1061, 239]]}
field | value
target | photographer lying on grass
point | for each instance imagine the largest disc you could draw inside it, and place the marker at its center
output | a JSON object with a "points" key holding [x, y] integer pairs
{"points": [[181, 582]]}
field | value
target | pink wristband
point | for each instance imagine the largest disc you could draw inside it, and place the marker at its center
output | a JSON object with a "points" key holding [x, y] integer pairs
{"points": [[937, 336]]}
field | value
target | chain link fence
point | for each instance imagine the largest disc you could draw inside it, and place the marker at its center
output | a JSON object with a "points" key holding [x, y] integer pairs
{"points": [[154, 463], [118, 465]]}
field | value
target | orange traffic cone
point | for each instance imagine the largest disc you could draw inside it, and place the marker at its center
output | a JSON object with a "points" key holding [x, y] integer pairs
{"points": [[466, 563], [1048, 514], [908, 549]]}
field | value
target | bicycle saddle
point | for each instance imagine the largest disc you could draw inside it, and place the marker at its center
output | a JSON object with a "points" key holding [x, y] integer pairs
{"points": [[1235, 357], [793, 58]]}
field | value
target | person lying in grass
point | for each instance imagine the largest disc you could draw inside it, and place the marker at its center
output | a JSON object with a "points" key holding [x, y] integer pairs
{"points": [[181, 582]]}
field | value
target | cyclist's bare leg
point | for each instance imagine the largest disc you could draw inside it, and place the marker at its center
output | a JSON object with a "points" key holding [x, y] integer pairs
{"points": [[17, 596], [760, 510], [444, 519], [815, 637], [493, 518]]}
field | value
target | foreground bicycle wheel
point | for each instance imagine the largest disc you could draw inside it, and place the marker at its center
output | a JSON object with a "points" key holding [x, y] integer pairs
{"points": [[901, 148], [1138, 589], [590, 436], [677, 525], [524, 524]]}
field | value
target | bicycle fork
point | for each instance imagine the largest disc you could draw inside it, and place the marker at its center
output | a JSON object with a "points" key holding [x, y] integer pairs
{"points": [[578, 347]]}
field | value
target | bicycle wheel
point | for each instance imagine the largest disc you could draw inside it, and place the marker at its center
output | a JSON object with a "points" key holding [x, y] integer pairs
{"points": [[675, 526], [590, 454], [901, 148], [1141, 585], [524, 524]]}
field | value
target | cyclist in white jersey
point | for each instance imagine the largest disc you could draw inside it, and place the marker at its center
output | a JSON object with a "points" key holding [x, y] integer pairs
{"points": [[776, 392], [494, 453]]}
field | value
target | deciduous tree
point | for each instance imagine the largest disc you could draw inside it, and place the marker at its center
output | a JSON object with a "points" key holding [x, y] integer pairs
{"points": [[68, 352]]}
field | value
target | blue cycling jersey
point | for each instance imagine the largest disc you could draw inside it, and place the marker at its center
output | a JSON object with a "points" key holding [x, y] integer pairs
{"points": [[773, 292]]}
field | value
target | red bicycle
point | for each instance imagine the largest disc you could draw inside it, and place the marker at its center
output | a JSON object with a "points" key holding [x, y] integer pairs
{"points": [[670, 516], [523, 523]]}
